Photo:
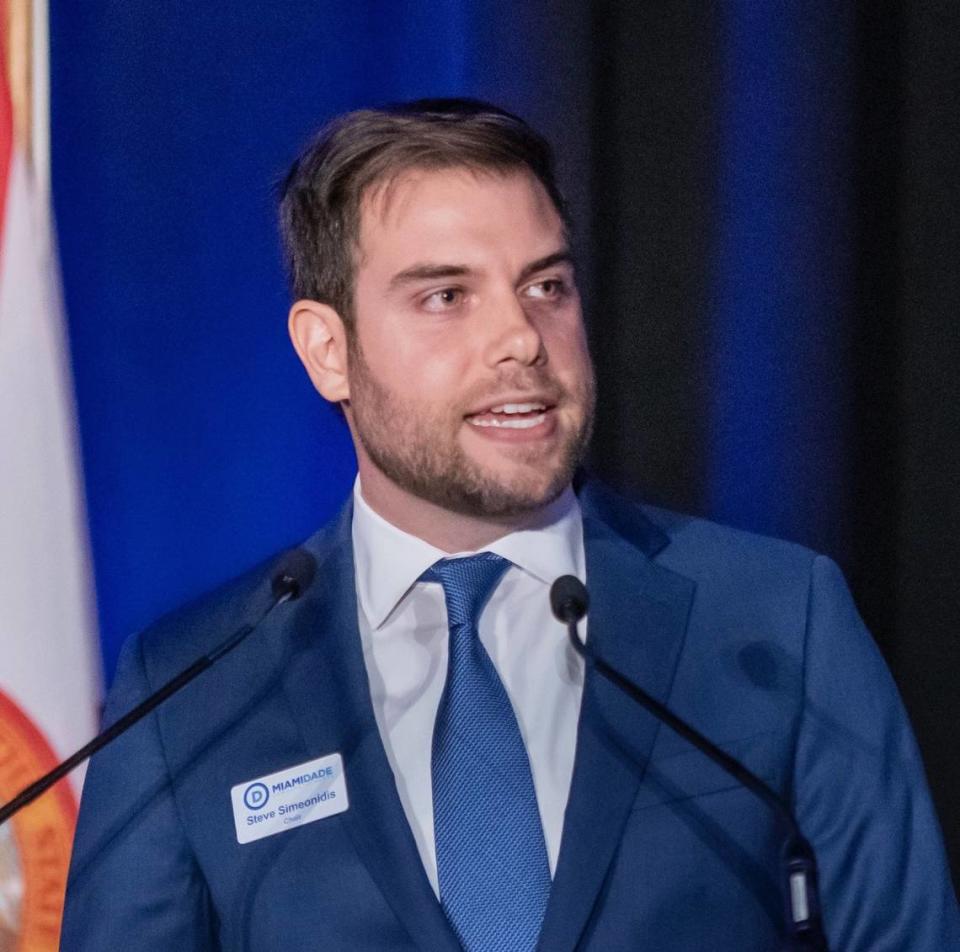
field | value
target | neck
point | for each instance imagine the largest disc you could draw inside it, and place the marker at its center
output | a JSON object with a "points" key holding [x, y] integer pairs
{"points": [[446, 530]]}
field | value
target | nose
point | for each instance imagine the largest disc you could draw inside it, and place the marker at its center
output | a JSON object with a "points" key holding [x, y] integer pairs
{"points": [[511, 334]]}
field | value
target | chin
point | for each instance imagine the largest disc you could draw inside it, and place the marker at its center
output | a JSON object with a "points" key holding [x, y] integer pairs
{"points": [[512, 494]]}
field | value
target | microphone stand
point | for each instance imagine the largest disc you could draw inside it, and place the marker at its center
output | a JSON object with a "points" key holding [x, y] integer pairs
{"points": [[285, 587], [799, 863]]}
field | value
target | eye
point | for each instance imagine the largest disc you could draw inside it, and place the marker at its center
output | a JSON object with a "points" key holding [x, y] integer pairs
{"points": [[443, 300], [550, 289]]}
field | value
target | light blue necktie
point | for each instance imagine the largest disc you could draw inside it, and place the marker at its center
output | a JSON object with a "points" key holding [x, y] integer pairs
{"points": [[491, 855]]}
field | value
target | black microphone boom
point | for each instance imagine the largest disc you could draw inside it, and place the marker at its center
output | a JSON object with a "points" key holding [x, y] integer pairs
{"points": [[569, 601], [288, 583]]}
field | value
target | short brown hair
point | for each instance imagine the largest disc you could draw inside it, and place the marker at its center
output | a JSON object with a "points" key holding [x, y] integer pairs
{"points": [[320, 198]]}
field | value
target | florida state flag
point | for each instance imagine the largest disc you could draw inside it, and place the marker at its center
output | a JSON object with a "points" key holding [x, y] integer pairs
{"points": [[48, 681]]}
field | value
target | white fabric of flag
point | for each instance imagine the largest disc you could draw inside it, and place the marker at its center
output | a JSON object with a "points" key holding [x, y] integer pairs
{"points": [[48, 664], [49, 683]]}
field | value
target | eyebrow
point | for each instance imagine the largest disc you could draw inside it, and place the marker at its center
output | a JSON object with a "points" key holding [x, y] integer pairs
{"points": [[541, 264], [432, 272]]}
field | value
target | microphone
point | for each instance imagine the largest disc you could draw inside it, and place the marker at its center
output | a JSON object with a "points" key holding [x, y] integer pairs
{"points": [[289, 582], [294, 576], [569, 602]]}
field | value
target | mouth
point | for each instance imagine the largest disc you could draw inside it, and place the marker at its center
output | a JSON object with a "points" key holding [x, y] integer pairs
{"points": [[513, 415]]}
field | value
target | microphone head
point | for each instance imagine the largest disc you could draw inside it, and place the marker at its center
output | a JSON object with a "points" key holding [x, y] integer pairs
{"points": [[569, 600], [294, 575]]}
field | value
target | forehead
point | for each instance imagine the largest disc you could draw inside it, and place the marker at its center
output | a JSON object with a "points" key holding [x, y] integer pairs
{"points": [[457, 210]]}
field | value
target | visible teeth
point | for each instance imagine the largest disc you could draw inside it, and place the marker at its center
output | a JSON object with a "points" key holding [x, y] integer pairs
{"points": [[518, 408], [524, 424]]}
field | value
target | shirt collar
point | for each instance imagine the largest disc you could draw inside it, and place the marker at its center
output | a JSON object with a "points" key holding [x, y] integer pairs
{"points": [[389, 561]]}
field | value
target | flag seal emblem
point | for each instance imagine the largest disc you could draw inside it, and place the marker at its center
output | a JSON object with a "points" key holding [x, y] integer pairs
{"points": [[35, 844]]}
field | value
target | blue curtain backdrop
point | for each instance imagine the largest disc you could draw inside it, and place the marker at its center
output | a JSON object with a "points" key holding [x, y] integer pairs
{"points": [[767, 207], [782, 272]]}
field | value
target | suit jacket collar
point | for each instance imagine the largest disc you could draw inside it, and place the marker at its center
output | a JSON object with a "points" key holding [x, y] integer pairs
{"points": [[638, 619], [637, 623], [326, 684]]}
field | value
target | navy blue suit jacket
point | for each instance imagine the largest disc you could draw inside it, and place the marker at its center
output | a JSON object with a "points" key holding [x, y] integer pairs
{"points": [[756, 642]]}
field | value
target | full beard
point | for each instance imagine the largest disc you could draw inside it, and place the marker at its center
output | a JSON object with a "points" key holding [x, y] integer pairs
{"points": [[412, 450]]}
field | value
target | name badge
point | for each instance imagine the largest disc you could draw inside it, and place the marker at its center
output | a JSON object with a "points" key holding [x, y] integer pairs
{"points": [[289, 798]]}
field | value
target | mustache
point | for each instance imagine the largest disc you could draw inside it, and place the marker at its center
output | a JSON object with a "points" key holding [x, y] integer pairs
{"points": [[535, 381], [541, 383]]}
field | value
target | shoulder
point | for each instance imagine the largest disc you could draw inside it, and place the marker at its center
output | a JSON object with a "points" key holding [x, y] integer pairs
{"points": [[179, 637], [708, 549], [742, 584], [694, 546]]}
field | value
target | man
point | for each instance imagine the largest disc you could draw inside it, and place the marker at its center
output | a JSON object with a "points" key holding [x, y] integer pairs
{"points": [[411, 756]]}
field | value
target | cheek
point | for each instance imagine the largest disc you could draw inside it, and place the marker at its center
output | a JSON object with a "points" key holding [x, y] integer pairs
{"points": [[439, 382], [567, 351], [424, 375]]}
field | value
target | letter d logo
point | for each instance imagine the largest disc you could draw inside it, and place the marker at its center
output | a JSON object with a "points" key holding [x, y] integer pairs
{"points": [[256, 796]]}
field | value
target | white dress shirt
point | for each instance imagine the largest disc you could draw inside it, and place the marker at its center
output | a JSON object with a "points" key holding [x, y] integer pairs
{"points": [[403, 630]]}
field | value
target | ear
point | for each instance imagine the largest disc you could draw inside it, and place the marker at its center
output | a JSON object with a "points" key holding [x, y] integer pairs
{"points": [[320, 341]]}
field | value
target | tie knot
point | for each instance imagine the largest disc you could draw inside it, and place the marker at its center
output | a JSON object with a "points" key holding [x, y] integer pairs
{"points": [[467, 584]]}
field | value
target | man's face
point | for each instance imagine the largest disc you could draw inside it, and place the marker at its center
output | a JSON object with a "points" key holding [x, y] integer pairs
{"points": [[470, 385]]}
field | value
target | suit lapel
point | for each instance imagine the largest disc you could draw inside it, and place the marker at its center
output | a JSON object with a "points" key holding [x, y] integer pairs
{"points": [[637, 622], [326, 684]]}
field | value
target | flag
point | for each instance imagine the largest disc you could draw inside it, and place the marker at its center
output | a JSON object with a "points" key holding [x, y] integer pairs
{"points": [[49, 674]]}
